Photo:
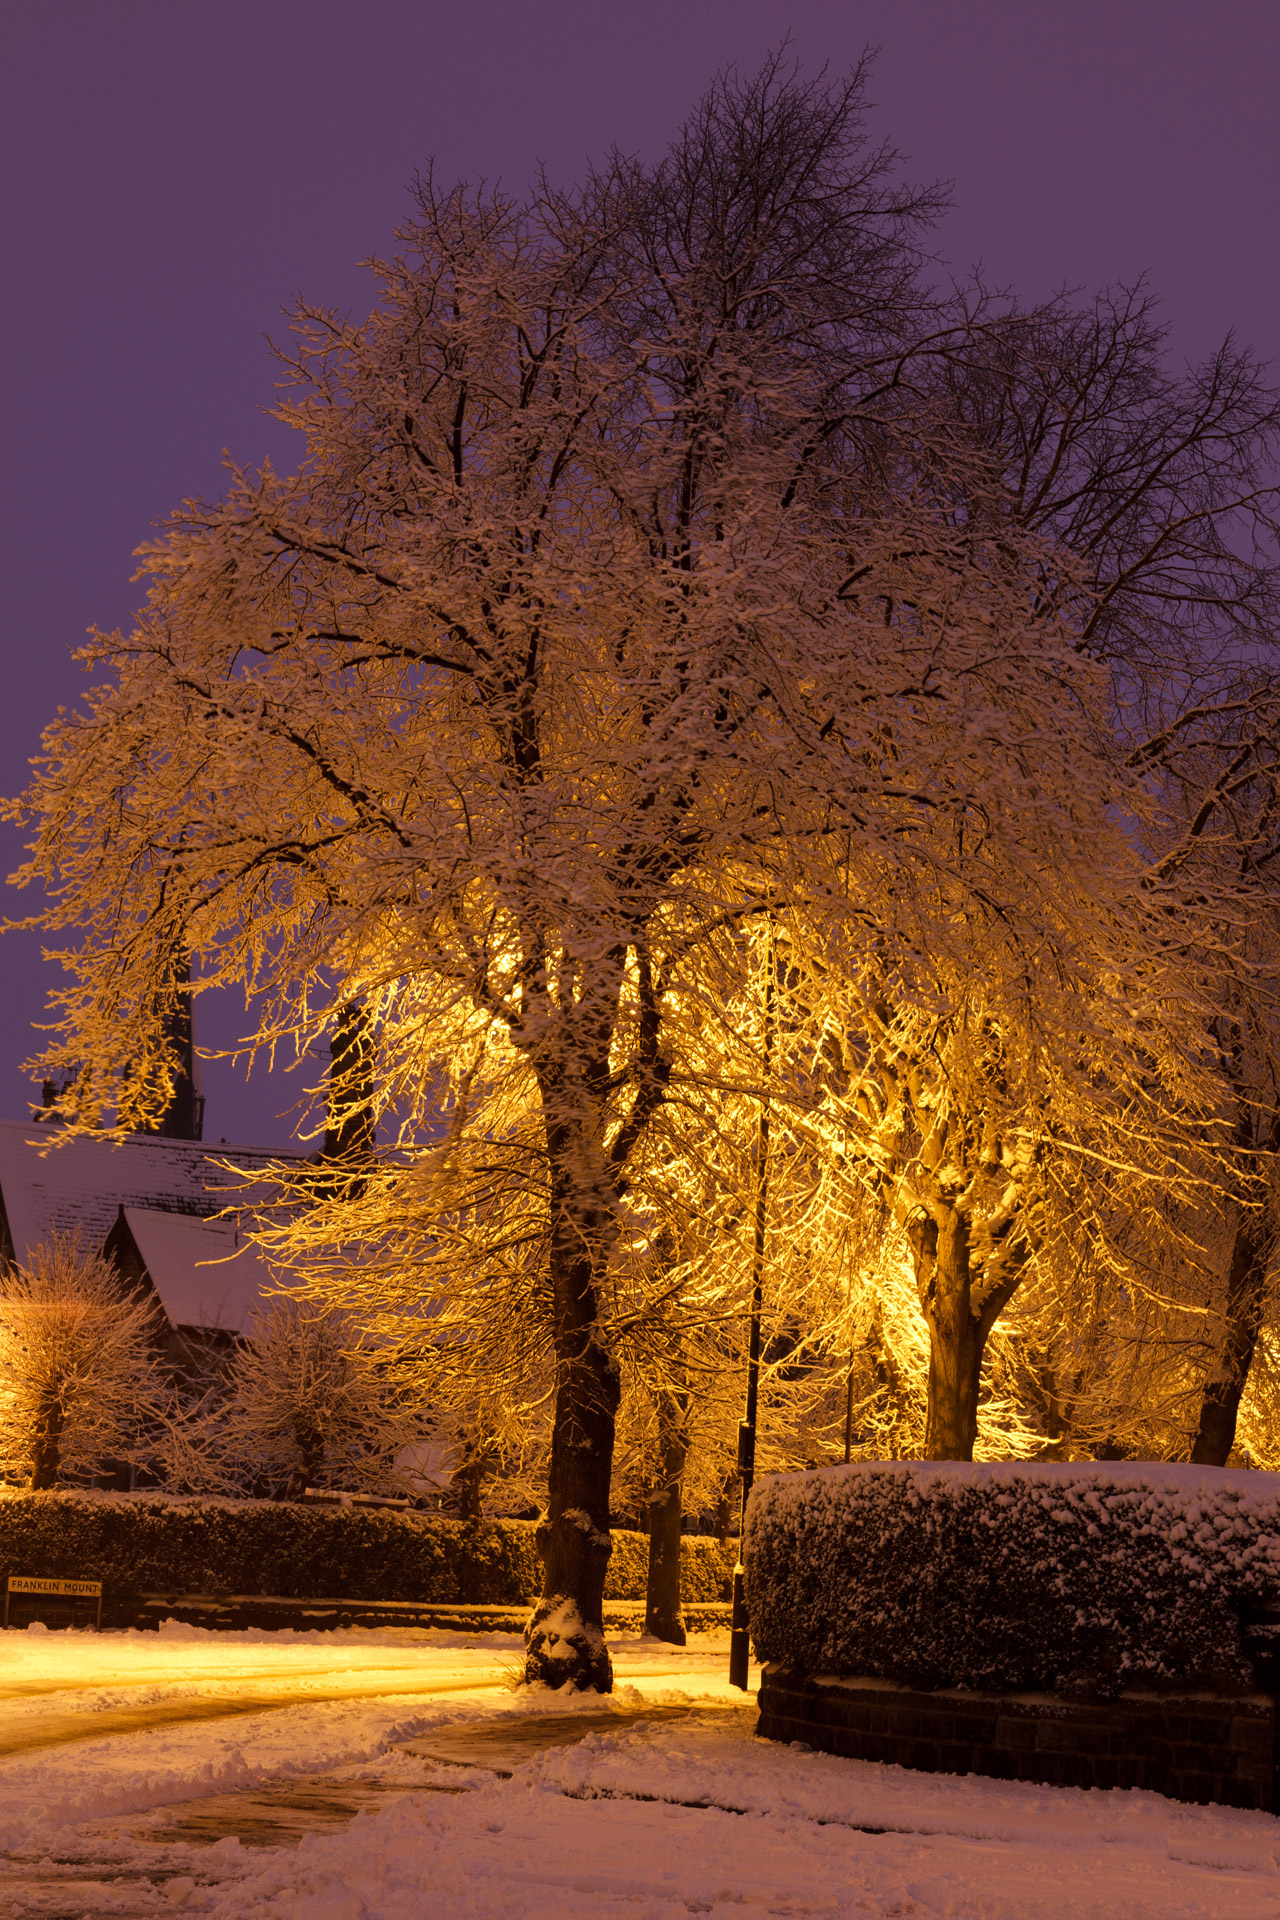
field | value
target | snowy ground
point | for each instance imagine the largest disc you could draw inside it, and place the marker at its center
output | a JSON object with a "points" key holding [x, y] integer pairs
{"points": [[646, 1820]]}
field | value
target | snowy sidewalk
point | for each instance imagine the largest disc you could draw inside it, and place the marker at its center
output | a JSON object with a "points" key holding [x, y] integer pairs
{"points": [[644, 1820]]}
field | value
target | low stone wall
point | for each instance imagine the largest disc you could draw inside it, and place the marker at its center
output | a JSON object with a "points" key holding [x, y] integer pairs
{"points": [[1198, 1747]]}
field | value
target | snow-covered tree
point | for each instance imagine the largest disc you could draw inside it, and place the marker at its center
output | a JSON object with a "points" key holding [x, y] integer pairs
{"points": [[472, 711], [640, 574], [1218, 762], [306, 1401], [971, 1071], [78, 1366]]}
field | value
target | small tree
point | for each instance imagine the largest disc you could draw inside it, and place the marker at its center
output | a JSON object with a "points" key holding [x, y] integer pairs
{"points": [[78, 1380], [308, 1402]]}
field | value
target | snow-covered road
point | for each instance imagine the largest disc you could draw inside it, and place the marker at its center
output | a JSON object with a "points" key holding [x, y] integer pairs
{"points": [[230, 1709], [644, 1820]]}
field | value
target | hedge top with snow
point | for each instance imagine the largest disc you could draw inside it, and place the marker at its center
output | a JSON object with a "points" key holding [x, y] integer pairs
{"points": [[1079, 1578], [156, 1542]]}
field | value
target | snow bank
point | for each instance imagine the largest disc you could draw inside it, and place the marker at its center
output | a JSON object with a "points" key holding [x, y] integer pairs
{"points": [[636, 1825], [1082, 1578]]}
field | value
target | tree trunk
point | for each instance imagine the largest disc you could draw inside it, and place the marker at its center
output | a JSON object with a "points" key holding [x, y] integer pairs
{"points": [[1242, 1319], [956, 1336], [310, 1443], [726, 1506], [1059, 1404], [662, 1591], [48, 1447], [466, 1486], [564, 1640]]}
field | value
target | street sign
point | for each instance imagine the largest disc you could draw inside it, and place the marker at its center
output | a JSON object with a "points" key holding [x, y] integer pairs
{"points": [[37, 1596]]}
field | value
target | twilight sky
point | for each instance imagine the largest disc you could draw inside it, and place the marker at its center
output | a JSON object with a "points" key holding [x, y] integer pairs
{"points": [[174, 172]]}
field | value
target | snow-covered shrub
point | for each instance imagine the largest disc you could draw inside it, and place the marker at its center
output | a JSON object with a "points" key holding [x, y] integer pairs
{"points": [[1083, 1578], [165, 1543], [78, 1379]]}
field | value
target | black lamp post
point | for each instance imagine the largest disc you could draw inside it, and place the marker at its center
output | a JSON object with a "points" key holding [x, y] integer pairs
{"points": [[740, 1636]]}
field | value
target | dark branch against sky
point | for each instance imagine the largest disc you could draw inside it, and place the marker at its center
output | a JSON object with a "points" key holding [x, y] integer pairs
{"points": [[174, 174]]}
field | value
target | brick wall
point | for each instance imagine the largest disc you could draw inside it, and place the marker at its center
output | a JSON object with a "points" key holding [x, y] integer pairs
{"points": [[1198, 1747]]}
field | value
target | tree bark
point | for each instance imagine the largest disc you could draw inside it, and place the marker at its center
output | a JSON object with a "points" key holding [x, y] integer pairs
{"points": [[311, 1446], [662, 1616], [466, 1487], [957, 1337], [48, 1448], [1242, 1319], [1058, 1403], [564, 1640]]}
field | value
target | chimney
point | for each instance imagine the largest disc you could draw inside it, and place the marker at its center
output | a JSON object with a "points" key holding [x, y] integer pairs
{"points": [[183, 1118], [349, 1132]]}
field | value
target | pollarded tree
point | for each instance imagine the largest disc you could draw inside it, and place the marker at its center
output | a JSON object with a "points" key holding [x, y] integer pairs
{"points": [[78, 1377]]}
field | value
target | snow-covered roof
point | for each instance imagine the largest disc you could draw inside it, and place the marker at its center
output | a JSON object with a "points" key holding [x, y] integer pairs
{"points": [[204, 1271], [79, 1184]]}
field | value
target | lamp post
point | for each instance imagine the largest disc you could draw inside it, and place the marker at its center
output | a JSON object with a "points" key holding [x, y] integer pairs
{"points": [[740, 1635]]}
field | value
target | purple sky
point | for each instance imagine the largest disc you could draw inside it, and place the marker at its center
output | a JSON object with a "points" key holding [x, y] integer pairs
{"points": [[173, 173]]}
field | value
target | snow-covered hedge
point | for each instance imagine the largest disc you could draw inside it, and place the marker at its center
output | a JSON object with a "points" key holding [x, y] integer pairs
{"points": [[159, 1543], [1079, 1578]]}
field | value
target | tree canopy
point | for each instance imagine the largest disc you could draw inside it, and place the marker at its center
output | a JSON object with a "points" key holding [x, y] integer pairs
{"points": [[667, 561]]}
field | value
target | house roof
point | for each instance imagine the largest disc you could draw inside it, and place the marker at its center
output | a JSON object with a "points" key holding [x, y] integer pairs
{"points": [[205, 1273], [51, 1182]]}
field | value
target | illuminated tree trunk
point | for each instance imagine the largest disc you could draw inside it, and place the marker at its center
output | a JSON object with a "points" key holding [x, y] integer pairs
{"points": [[662, 1592], [957, 1336], [1242, 1319], [1057, 1416], [564, 1640], [466, 1487]]}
